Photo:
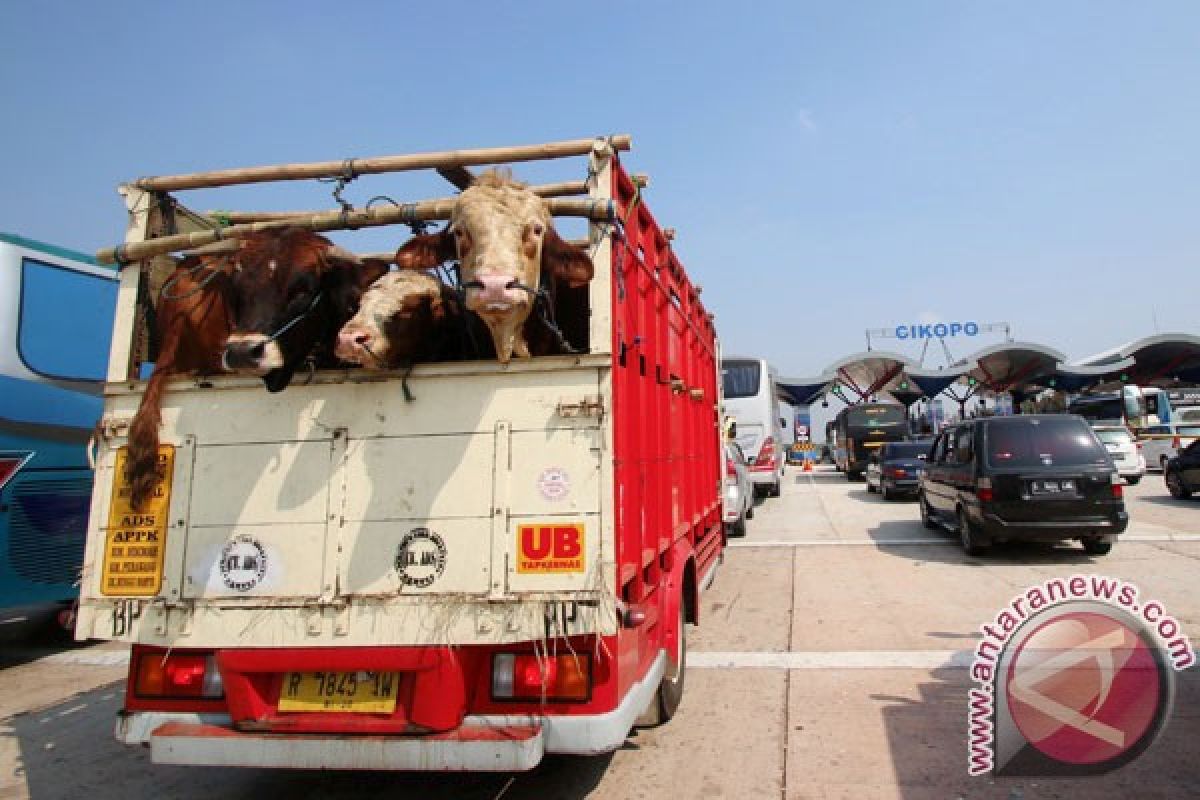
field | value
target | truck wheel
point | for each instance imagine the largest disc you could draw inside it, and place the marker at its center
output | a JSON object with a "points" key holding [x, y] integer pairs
{"points": [[774, 489], [670, 691], [972, 543], [1094, 546], [750, 511], [738, 528]]}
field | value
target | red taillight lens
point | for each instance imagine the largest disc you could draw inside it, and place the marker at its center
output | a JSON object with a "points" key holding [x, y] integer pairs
{"points": [[897, 472], [983, 490], [730, 469], [1118, 491], [177, 675], [9, 464], [531, 677], [766, 454]]}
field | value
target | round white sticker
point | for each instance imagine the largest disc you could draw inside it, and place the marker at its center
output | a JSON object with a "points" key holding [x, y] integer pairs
{"points": [[243, 563], [554, 484]]}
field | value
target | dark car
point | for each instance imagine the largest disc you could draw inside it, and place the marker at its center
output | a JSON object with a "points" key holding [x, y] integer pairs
{"points": [[893, 470], [1041, 478], [1182, 472]]}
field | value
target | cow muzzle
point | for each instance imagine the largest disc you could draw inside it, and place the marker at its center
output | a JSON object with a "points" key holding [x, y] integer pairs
{"points": [[496, 293], [252, 353], [355, 345]]}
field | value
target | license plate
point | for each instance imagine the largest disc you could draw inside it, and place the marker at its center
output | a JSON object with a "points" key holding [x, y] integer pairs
{"points": [[355, 692], [1053, 487]]}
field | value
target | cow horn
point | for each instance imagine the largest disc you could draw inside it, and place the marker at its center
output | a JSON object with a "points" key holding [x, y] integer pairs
{"points": [[337, 251], [214, 249]]}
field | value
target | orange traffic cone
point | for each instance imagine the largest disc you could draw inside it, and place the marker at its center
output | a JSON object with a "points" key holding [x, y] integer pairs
{"points": [[807, 465]]}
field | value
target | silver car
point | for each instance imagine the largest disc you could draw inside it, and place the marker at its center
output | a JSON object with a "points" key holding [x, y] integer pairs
{"points": [[739, 491], [1124, 451]]}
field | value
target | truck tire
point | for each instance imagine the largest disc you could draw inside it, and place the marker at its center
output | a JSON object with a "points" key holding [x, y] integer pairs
{"points": [[774, 489], [670, 691], [1094, 546], [1176, 486]]}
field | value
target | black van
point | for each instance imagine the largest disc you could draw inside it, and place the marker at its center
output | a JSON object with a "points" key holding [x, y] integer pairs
{"points": [[1043, 477]]}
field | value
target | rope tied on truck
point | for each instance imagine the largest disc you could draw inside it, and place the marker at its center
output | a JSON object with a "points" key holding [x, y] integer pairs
{"points": [[340, 182]]}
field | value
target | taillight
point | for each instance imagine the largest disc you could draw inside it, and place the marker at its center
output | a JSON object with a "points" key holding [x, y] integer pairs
{"points": [[766, 454], [1118, 491], [983, 490], [10, 463], [162, 674], [898, 472], [527, 676], [730, 469]]}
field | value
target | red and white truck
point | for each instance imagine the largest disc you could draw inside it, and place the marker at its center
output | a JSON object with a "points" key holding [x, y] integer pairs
{"points": [[331, 577]]}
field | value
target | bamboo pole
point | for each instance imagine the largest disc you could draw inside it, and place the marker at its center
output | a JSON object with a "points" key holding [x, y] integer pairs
{"points": [[563, 189], [371, 166], [331, 221]]}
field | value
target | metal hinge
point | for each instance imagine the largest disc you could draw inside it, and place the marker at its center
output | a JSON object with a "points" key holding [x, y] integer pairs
{"points": [[591, 405]]}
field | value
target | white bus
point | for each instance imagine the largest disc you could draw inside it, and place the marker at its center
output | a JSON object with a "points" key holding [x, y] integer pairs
{"points": [[752, 401]]}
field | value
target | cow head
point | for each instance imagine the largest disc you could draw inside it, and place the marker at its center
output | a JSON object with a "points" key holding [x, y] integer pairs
{"points": [[396, 322], [292, 290], [504, 238]]}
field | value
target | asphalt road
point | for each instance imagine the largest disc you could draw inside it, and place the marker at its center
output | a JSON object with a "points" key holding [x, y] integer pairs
{"points": [[831, 661]]}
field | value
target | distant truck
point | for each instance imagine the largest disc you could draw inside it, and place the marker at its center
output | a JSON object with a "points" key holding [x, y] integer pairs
{"points": [[330, 577], [56, 312]]}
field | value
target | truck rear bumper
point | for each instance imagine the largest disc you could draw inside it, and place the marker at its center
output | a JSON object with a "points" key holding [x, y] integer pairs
{"points": [[510, 742]]}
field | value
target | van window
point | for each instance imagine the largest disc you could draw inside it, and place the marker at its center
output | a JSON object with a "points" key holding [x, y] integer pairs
{"points": [[962, 445], [1043, 442], [65, 321], [741, 378]]}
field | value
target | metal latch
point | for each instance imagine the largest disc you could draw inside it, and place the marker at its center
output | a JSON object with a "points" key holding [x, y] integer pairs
{"points": [[589, 406]]}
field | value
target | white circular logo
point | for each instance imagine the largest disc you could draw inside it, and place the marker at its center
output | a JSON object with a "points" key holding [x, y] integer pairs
{"points": [[243, 563], [420, 558], [554, 484]]}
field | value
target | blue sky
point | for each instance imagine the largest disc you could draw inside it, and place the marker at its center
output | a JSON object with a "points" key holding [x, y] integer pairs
{"points": [[829, 167]]}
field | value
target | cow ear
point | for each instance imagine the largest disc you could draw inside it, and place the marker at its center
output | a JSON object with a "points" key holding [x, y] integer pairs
{"points": [[371, 270], [426, 250], [564, 261]]}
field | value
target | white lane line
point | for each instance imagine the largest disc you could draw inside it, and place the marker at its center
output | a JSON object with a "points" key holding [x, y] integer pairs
{"points": [[89, 658], [73, 709], [946, 540], [846, 659]]}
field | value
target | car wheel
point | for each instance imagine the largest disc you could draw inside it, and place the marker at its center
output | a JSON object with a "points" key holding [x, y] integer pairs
{"points": [[870, 488], [1095, 546], [926, 515], [1176, 486], [973, 543], [775, 489], [1133, 480], [887, 494]]}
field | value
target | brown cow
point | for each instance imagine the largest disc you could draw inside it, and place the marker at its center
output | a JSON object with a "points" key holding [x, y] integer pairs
{"points": [[509, 253], [408, 317], [292, 291], [192, 321]]}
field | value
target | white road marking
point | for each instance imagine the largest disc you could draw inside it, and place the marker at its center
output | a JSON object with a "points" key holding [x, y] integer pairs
{"points": [[946, 540], [88, 658], [73, 709], [846, 659]]}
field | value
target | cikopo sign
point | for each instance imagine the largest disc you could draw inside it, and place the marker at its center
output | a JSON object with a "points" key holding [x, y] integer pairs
{"points": [[938, 330]]}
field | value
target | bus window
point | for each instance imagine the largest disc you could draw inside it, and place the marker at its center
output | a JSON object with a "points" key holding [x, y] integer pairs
{"points": [[741, 378], [61, 312]]}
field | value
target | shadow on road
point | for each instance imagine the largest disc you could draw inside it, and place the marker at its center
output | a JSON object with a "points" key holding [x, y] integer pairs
{"points": [[69, 751], [1172, 502], [889, 536], [927, 739]]}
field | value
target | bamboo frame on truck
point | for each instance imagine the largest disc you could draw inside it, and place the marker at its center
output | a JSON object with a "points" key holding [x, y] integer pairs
{"points": [[371, 166], [152, 214]]}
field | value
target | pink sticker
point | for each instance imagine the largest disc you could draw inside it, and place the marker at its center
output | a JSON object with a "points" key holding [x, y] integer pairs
{"points": [[554, 483]]}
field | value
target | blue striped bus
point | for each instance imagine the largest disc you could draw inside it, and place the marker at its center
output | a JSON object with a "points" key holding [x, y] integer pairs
{"points": [[56, 313]]}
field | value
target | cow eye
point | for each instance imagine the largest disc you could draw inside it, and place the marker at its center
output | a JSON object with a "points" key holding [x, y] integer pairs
{"points": [[537, 229]]}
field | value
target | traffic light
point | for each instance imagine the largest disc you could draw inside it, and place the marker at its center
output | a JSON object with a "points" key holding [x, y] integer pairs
{"points": [[1124, 378], [971, 381], [904, 386], [1053, 382]]}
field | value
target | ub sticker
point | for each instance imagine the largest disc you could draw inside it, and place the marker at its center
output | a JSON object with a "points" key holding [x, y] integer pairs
{"points": [[243, 563], [420, 558], [554, 483]]}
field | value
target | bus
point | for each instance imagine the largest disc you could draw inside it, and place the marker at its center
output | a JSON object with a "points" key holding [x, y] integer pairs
{"points": [[861, 428], [1172, 406], [56, 312], [1127, 407], [752, 400]]}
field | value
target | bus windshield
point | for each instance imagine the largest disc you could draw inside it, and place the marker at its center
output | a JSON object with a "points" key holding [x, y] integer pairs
{"points": [[875, 416], [741, 378]]}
